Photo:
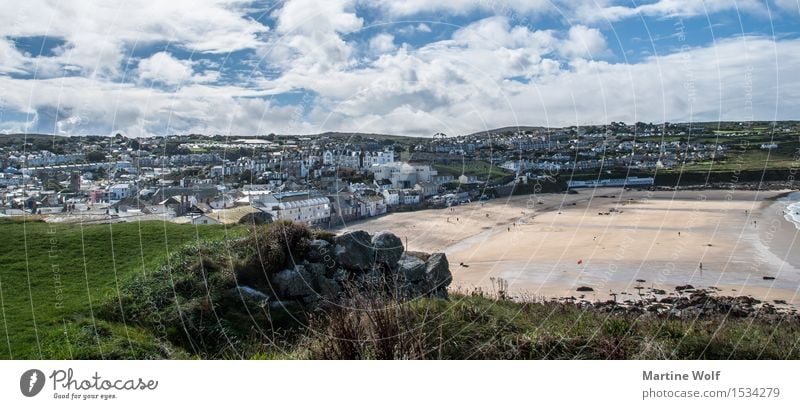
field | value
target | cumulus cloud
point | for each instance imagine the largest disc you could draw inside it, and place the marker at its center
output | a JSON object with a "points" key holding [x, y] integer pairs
{"points": [[163, 67], [668, 8], [310, 35], [491, 72], [584, 42], [11, 59], [97, 33], [789, 5], [582, 11], [382, 43]]}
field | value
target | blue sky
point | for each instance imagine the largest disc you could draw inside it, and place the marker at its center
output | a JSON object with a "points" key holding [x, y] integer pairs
{"points": [[238, 67]]}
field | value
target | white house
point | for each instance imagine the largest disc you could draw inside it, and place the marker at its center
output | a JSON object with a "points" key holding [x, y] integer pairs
{"points": [[409, 196], [378, 158], [204, 219], [373, 205], [392, 197], [119, 191], [303, 207], [403, 175], [426, 189], [327, 158]]}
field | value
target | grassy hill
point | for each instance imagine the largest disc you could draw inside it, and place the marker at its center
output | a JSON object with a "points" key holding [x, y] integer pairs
{"points": [[52, 275], [160, 290]]}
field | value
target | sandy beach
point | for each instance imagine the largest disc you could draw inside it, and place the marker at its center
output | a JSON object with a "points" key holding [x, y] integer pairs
{"points": [[613, 240]]}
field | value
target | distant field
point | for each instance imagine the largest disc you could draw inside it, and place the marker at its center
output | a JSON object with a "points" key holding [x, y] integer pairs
{"points": [[749, 160], [472, 168], [53, 274]]}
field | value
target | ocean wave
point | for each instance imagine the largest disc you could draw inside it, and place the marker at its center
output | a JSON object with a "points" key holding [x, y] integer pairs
{"points": [[792, 213]]}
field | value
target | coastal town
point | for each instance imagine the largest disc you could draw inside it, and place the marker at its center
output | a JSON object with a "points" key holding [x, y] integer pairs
{"points": [[333, 178]]}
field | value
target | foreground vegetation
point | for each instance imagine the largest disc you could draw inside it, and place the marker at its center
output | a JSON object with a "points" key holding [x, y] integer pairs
{"points": [[166, 302], [55, 275]]}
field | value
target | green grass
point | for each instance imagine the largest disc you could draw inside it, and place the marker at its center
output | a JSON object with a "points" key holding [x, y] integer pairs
{"points": [[53, 277], [754, 159], [476, 327], [174, 286], [472, 168]]}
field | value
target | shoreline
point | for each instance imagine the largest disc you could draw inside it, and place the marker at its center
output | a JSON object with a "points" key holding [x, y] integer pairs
{"points": [[613, 240]]}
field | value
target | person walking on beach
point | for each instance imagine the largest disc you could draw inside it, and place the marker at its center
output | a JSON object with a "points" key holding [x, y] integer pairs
{"points": [[701, 266]]}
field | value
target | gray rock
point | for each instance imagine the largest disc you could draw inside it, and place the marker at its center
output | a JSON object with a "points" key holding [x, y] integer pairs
{"points": [[317, 270], [297, 282], [340, 275], [312, 300], [285, 305], [329, 289], [437, 272], [251, 294], [354, 251], [319, 251], [411, 268], [388, 248]]}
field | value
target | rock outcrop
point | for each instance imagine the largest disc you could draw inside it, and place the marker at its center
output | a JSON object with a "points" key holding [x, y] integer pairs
{"points": [[693, 303], [360, 262], [354, 251]]}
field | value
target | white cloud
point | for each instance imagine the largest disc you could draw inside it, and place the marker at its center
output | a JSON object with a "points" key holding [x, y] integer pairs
{"points": [[589, 12], [310, 35], [445, 86], [11, 60], [382, 43], [492, 72], [423, 28], [789, 5], [97, 32], [164, 68], [583, 11], [82, 105], [584, 42], [411, 7]]}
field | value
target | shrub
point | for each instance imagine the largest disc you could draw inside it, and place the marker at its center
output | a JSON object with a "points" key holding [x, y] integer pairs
{"points": [[272, 248], [328, 236]]}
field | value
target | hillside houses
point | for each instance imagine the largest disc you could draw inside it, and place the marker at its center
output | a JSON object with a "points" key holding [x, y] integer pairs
{"points": [[403, 175], [294, 177], [304, 207]]}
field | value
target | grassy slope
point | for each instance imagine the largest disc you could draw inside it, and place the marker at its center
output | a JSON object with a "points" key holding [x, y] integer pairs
{"points": [[472, 168], [475, 327], [465, 327], [52, 275]]}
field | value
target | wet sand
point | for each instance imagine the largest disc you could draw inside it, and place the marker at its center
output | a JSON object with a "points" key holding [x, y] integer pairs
{"points": [[548, 245]]}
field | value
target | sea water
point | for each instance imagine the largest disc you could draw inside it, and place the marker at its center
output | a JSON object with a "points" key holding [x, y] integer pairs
{"points": [[792, 211]]}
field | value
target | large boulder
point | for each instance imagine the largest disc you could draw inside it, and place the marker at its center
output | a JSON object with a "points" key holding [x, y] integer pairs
{"points": [[319, 251], [329, 289], [250, 294], [388, 248], [437, 272], [316, 270], [354, 251], [294, 283], [411, 268]]}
